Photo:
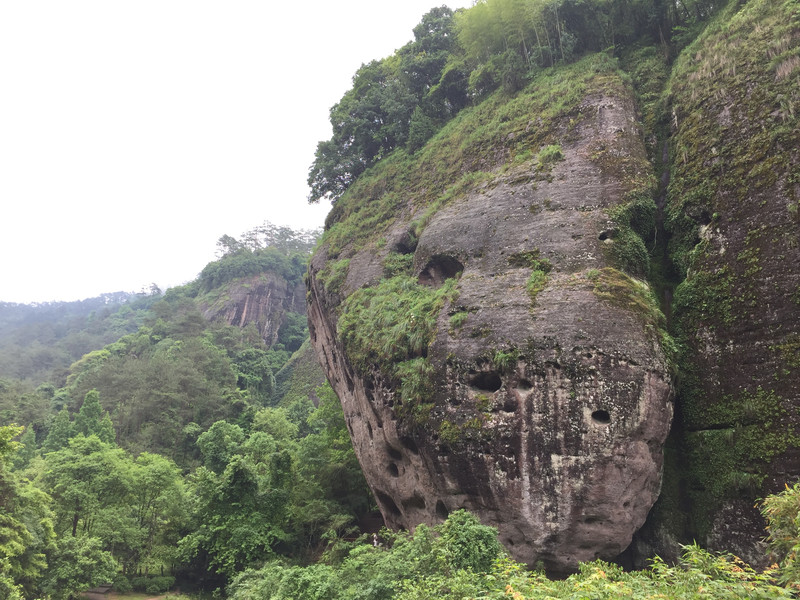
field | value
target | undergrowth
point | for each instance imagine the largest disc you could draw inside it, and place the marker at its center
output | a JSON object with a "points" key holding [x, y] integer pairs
{"points": [[462, 559], [389, 327]]}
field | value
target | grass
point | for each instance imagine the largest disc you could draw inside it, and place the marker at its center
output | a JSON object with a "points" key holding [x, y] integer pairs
{"points": [[536, 283], [466, 152], [390, 326]]}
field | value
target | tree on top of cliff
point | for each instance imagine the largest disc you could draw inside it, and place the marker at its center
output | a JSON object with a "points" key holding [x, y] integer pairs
{"points": [[457, 58], [373, 118], [269, 235]]}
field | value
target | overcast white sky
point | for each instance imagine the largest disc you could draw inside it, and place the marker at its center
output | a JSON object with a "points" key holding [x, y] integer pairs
{"points": [[133, 134]]}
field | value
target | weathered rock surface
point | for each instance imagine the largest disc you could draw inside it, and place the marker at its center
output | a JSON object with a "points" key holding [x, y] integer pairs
{"points": [[734, 210], [549, 409], [262, 300]]}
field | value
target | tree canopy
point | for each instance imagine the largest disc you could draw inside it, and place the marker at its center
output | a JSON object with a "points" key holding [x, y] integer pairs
{"points": [[456, 59]]}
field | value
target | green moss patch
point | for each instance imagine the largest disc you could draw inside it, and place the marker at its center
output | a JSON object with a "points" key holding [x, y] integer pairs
{"points": [[635, 296], [736, 110], [390, 326]]}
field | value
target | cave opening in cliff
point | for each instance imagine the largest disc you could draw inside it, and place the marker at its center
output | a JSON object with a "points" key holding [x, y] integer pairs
{"points": [[486, 381], [439, 269], [394, 452], [410, 444], [601, 416], [417, 501]]}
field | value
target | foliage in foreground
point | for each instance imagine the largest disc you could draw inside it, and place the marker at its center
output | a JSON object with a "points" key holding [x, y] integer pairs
{"points": [[782, 512], [462, 559]]}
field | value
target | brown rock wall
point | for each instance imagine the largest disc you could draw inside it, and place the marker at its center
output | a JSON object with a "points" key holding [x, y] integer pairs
{"points": [[549, 413], [262, 300]]}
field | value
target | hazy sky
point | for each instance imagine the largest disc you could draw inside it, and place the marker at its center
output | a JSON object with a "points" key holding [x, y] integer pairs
{"points": [[133, 134]]}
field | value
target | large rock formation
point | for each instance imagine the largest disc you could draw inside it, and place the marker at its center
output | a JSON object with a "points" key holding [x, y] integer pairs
{"points": [[516, 370], [261, 300], [735, 219]]}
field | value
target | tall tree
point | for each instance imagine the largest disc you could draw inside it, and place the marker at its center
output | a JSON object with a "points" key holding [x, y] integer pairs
{"points": [[60, 432], [89, 418]]}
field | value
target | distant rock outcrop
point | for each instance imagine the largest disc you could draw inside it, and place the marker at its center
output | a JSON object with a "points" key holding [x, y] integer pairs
{"points": [[261, 300], [539, 397]]}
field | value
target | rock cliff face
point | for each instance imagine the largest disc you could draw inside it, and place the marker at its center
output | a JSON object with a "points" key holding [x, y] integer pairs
{"points": [[517, 370], [262, 300], [734, 215]]}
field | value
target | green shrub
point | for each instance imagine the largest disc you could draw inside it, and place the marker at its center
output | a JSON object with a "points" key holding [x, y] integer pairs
{"points": [[549, 155], [467, 544], [122, 584], [397, 264], [152, 584], [390, 326], [782, 512], [536, 283], [628, 253], [458, 319]]}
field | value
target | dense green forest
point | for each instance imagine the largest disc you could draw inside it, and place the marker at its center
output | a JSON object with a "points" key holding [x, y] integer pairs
{"points": [[146, 444], [186, 446]]}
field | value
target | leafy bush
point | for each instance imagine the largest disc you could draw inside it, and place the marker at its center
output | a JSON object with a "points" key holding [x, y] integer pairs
{"points": [[536, 283], [782, 512], [463, 559], [122, 584], [153, 584], [549, 155], [390, 326], [467, 544], [245, 263]]}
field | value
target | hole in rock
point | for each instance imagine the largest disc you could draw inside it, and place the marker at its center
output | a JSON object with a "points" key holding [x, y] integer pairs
{"points": [[369, 430], [591, 519], [607, 234], [524, 385], [487, 382], [369, 387], [410, 444], [441, 510], [510, 404], [349, 381], [387, 502], [416, 501], [395, 454], [440, 268], [601, 416], [393, 470]]}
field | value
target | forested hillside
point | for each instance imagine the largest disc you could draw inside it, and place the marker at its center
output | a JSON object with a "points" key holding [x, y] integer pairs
{"points": [[190, 437], [39, 342], [187, 446]]}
